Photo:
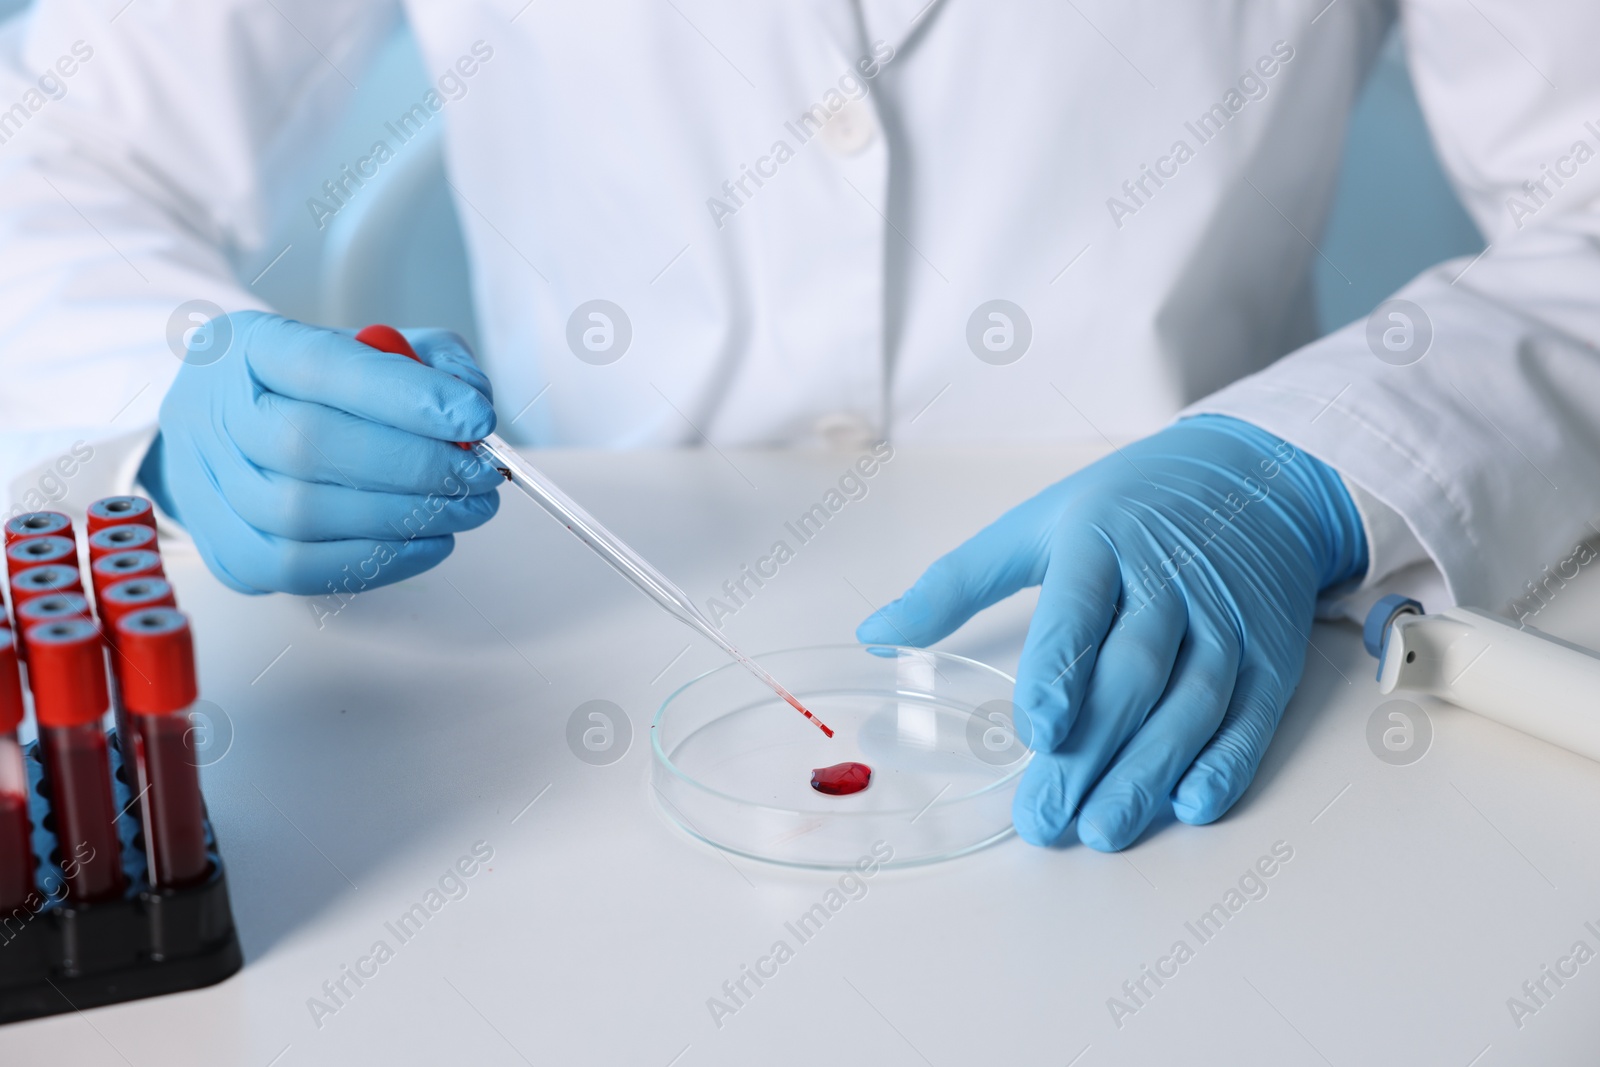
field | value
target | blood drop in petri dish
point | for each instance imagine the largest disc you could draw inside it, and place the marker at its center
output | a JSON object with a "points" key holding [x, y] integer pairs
{"points": [[841, 779]]}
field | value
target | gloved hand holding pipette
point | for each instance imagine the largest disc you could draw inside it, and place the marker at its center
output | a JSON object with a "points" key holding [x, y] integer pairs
{"points": [[1179, 576], [301, 452], [247, 460]]}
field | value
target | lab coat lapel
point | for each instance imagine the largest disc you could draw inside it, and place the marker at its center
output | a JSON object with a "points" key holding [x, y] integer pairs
{"points": [[894, 21], [891, 21], [840, 23]]}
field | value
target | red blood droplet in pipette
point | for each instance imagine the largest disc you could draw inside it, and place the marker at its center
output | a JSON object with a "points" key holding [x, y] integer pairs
{"points": [[841, 779], [802, 709]]}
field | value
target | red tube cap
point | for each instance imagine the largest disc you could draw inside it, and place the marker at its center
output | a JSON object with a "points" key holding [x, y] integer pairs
{"points": [[47, 580], [50, 607], [38, 524], [120, 566], [35, 551], [157, 661], [67, 671], [135, 594], [121, 511], [124, 538], [10, 684]]}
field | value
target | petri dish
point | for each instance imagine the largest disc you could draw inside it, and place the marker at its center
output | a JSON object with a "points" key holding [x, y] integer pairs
{"points": [[732, 762]]}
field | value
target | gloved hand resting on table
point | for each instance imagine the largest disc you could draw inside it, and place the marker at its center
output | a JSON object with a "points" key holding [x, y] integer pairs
{"points": [[301, 452], [1179, 578]]}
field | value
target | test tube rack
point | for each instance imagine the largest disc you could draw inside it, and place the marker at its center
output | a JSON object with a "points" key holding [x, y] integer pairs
{"points": [[59, 953], [146, 943]]}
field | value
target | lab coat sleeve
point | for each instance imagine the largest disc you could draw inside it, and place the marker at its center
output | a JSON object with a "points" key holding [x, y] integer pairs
{"points": [[1488, 446], [136, 157], [1396, 563]]}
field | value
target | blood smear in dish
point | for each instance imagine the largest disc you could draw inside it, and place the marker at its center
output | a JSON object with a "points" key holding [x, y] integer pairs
{"points": [[841, 779]]}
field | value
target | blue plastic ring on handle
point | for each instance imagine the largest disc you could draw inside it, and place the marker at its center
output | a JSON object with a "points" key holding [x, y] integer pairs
{"points": [[1375, 634]]}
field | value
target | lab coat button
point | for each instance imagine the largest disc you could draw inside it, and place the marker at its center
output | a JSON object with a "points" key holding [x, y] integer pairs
{"points": [[850, 130]]}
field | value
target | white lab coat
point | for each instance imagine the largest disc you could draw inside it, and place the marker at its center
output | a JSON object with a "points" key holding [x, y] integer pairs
{"points": [[986, 159]]}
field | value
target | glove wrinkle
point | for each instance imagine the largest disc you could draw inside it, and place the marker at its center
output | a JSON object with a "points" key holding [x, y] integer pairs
{"points": [[300, 457]]}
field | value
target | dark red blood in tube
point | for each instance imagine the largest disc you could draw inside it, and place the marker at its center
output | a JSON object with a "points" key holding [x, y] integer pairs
{"points": [[16, 831], [173, 814], [841, 779], [66, 668], [11, 709], [16, 851], [80, 788], [158, 688]]}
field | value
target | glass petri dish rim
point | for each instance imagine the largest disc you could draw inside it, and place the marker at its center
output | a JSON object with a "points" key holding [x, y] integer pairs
{"points": [[661, 759]]}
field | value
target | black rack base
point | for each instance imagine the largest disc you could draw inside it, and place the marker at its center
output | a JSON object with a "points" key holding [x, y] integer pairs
{"points": [[57, 956]]}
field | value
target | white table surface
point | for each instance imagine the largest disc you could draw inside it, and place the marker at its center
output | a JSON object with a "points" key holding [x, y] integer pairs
{"points": [[371, 754]]}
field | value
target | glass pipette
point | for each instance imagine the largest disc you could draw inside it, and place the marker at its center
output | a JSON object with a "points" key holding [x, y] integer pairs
{"points": [[586, 528]]}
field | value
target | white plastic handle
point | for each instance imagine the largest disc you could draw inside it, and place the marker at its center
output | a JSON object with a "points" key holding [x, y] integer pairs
{"points": [[1521, 678]]}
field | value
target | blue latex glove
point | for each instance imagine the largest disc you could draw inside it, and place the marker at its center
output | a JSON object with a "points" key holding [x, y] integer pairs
{"points": [[1179, 577], [303, 461]]}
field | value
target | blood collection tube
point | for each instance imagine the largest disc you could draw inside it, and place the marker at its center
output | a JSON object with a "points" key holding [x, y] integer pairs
{"points": [[134, 594], [67, 671], [115, 601], [51, 579], [158, 687], [16, 828], [120, 566], [121, 511], [37, 551], [47, 608], [38, 524], [123, 538], [51, 607]]}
